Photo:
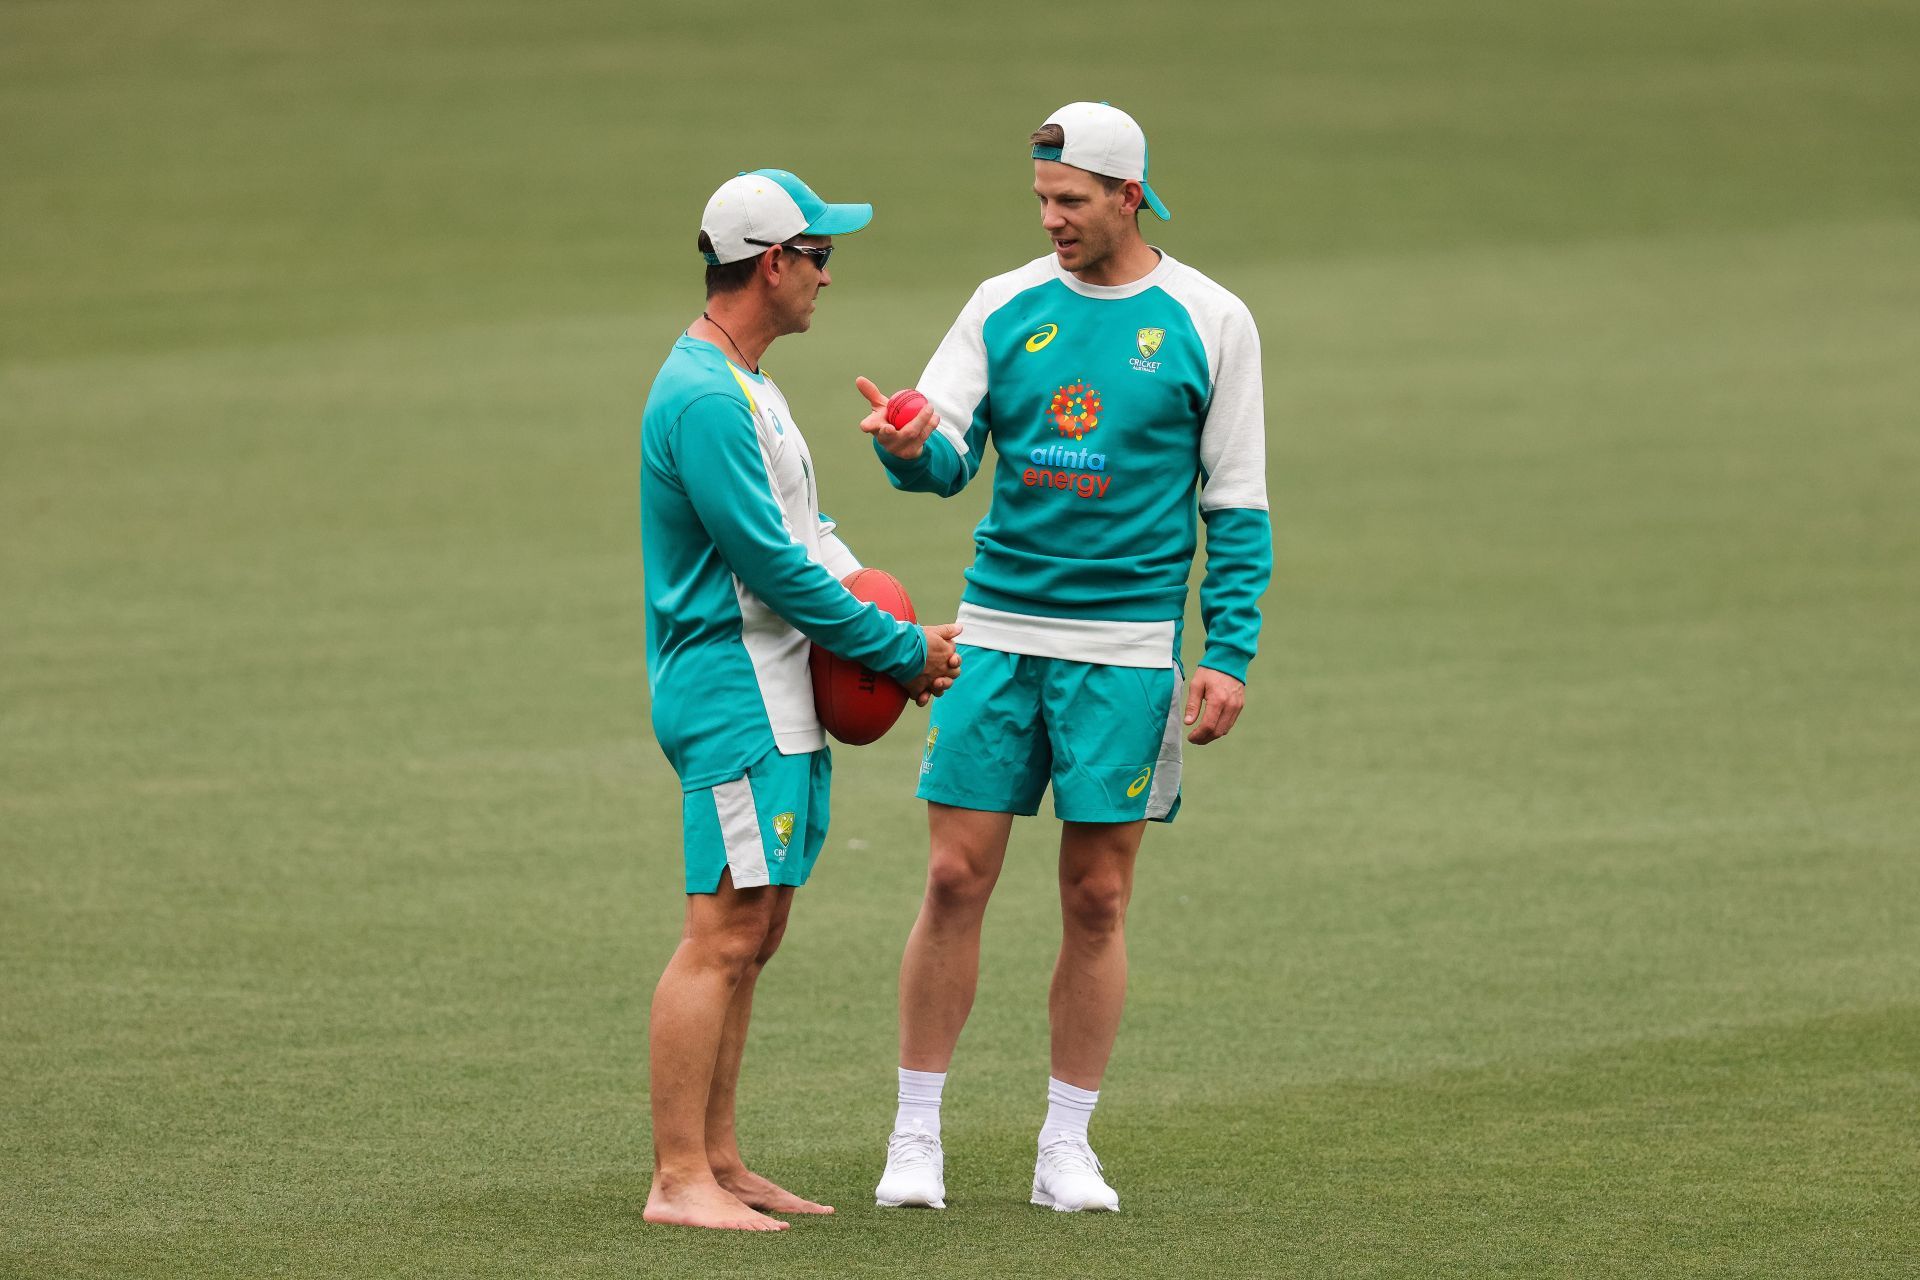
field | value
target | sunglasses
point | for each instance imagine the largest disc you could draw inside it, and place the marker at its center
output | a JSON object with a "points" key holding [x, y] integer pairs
{"points": [[818, 253]]}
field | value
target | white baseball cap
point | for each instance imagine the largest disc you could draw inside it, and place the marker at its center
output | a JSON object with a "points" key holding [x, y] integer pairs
{"points": [[755, 211], [1103, 139]]}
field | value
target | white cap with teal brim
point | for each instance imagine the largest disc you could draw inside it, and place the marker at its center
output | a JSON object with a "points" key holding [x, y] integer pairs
{"points": [[1103, 139], [755, 211]]}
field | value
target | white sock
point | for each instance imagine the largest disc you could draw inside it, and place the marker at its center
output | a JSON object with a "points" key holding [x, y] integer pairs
{"points": [[1069, 1107], [920, 1100]]}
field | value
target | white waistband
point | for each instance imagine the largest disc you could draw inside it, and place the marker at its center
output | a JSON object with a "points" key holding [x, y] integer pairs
{"points": [[1116, 644]]}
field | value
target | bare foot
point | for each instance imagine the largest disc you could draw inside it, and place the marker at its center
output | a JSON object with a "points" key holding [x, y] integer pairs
{"points": [[704, 1205], [764, 1193]]}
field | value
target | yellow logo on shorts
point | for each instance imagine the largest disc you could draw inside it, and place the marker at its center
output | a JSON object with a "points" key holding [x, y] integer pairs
{"points": [[783, 827], [1140, 783]]}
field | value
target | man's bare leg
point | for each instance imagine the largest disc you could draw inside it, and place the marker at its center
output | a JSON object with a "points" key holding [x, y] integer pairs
{"points": [[723, 1143], [941, 966], [1090, 978], [724, 931]]}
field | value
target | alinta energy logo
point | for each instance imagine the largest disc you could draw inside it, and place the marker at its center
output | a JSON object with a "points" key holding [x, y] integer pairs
{"points": [[1075, 409], [1073, 412]]}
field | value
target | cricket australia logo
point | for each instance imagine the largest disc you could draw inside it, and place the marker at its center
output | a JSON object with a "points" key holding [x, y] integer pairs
{"points": [[1075, 410], [783, 831], [1148, 340]]}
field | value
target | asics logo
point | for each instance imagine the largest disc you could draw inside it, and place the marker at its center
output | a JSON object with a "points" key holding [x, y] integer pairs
{"points": [[1042, 336], [1140, 783]]}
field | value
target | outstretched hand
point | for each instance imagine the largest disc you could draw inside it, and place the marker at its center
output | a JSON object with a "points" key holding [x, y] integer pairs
{"points": [[901, 442], [1214, 699]]}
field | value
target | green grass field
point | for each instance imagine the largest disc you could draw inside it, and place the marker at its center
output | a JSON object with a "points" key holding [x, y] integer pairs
{"points": [[1555, 910]]}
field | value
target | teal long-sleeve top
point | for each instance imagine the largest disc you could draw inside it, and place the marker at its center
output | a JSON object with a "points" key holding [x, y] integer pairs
{"points": [[742, 570], [1118, 414]]}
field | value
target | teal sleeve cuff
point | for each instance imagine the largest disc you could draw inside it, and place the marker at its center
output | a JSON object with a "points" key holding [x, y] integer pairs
{"points": [[937, 470], [1227, 662], [903, 473], [912, 670], [1239, 567]]}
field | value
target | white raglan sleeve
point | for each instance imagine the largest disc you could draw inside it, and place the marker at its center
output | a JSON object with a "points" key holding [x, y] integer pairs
{"points": [[1233, 493], [835, 554], [955, 383]]}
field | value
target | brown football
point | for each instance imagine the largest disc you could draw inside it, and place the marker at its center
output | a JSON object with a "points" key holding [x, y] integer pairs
{"points": [[856, 705]]}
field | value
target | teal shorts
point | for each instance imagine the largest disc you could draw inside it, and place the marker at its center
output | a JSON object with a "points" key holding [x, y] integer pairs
{"points": [[1106, 737], [767, 827]]}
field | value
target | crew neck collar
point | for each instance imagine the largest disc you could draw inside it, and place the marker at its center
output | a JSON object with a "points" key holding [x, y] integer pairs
{"points": [[1154, 277]]}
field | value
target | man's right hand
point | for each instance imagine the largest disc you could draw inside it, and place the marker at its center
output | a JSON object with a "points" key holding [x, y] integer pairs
{"points": [[902, 442], [943, 661]]}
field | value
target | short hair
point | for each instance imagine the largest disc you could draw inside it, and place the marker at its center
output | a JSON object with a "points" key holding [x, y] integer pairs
{"points": [[727, 277], [1052, 135]]}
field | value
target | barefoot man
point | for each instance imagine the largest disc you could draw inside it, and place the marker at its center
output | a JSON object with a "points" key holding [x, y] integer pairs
{"points": [[741, 571]]}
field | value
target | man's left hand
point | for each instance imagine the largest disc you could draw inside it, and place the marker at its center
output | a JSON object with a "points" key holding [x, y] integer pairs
{"points": [[1214, 699]]}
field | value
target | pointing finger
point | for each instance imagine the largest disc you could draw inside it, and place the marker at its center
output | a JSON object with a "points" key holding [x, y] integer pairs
{"points": [[871, 392]]}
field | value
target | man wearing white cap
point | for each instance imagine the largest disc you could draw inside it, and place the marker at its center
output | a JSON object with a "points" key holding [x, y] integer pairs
{"points": [[1116, 385], [742, 570]]}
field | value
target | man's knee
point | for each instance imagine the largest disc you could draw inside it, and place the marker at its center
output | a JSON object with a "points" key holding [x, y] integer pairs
{"points": [[770, 940], [736, 949], [737, 939], [956, 883], [1095, 904]]}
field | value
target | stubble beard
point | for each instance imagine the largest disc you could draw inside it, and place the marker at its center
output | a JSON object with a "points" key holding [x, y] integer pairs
{"points": [[800, 319], [1091, 256]]}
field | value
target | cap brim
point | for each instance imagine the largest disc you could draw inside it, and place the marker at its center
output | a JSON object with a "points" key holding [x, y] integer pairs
{"points": [[1153, 202], [840, 220]]}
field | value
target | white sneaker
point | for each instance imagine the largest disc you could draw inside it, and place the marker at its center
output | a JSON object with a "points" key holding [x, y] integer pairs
{"points": [[916, 1172], [1066, 1178]]}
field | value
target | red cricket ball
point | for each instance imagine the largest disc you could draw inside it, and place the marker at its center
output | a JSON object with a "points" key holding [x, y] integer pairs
{"points": [[904, 406]]}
